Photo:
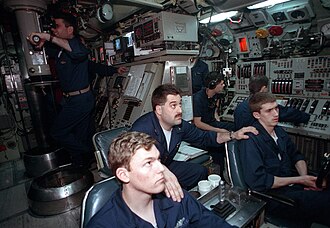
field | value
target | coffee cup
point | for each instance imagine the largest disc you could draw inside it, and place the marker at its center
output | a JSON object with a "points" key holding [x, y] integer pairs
{"points": [[204, 186], [214, 179]]}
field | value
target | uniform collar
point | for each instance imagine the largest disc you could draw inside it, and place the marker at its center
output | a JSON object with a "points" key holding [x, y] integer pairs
{"points": [[162, 208], [268, 138]]}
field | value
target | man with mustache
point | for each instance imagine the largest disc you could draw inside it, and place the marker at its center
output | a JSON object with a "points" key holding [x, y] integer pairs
{"points": [[165, 124], [134, 159], [268, 160]]}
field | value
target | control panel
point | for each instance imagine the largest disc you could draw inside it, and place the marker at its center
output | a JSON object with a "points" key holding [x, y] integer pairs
{"points": [[245, 70], [319, 123], [305, 76], [308, 76], [319, 109], [248, 45]]}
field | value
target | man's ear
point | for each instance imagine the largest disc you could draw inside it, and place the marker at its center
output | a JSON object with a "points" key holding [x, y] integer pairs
{"points": [[122, 174], [70, 29], [158, 109], [256, 115], [263, 89]]}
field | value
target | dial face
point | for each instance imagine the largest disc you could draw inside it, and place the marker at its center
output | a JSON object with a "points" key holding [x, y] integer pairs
{"points": [[326, 29], [107, 11]]}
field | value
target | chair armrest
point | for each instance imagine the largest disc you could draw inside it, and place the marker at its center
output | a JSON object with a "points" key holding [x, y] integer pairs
{"points": [[279, 198]]}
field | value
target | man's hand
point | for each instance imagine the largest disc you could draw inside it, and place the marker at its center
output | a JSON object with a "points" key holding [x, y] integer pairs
{"points": [[308, 181], [121, 70], [241, 133], [42, 36], [172, 186]]}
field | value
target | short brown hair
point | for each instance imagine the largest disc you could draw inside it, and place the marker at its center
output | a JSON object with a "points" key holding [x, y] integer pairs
{"points": [[258, 99], [257, 82], [124, 147], [159, 95]]}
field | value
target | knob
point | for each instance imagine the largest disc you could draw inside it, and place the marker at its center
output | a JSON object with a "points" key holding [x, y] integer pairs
{"points": [[36, 39]]}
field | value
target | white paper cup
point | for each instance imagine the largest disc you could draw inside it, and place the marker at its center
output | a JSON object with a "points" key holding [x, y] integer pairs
{"points": [[204, 187], [214, 179]]}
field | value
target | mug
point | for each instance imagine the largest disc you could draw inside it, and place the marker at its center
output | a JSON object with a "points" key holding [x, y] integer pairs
{"points": [[214, 179], [204, 186]]}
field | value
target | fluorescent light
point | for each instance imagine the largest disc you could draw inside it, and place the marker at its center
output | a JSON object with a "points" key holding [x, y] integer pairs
{"points": [[219, 17], [267, 3]]}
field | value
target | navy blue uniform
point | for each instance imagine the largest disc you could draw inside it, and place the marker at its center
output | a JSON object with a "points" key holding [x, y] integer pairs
{"points": [[72, 126], [198, 73], [100, 69], [262, 159], [243, 116], [204, 107], [188, 213], [188, 174]]}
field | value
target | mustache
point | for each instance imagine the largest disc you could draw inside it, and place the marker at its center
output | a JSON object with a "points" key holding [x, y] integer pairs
{"points": [[178, 115]]}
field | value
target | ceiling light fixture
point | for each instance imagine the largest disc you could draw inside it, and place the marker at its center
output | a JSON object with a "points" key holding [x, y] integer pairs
{"points": [[219, 17], [268, 3]]}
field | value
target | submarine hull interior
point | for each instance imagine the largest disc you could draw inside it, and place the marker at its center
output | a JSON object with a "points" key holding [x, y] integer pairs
{"points": [[158, 41]]}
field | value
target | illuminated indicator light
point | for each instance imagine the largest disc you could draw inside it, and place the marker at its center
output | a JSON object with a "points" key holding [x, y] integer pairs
{"points": [[243, 46]]}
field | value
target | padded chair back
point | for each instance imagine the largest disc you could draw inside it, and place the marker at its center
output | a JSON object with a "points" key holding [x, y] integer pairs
{"points": [[234, 167], [95, 198], [102, 141]]}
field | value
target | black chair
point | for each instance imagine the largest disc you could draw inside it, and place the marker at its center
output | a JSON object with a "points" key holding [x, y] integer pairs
{"points": [[102, 141], [236, 178], [95, 198]]}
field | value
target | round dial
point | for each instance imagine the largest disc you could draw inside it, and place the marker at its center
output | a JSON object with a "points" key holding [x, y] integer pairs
{"points": [[104, 13], [325, 29], [107, 12]]}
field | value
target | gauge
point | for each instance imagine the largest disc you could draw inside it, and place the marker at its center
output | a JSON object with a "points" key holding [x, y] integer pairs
{"points": [[298, 14], [104, 13], [325, 29], [325, 3]]}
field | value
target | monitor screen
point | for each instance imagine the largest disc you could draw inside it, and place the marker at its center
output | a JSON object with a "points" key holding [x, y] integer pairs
{"points": [[118, 44], [130, 39]]}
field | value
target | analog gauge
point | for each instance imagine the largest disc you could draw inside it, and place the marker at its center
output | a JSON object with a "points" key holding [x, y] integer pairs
{"points": [[104, 13], [209, 52], [325, 29], [325, 3], [298, 14]]}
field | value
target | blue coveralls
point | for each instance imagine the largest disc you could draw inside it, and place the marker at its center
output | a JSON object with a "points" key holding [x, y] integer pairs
{"points": [[198, 74], [243, 116], [261, 162], [100, 69], [72, 127], [188, 174], [188, 213], [204, 107]]}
